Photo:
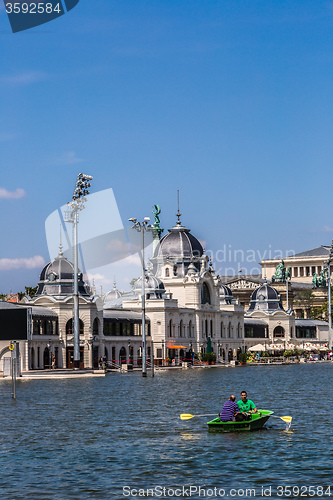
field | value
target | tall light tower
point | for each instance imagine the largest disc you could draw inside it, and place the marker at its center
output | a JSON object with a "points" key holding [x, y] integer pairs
{"points": [[72, 215], [141, 228]]}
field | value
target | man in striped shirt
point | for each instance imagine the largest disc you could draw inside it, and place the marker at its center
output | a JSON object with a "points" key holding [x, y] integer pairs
{"points": [[229, 410]]}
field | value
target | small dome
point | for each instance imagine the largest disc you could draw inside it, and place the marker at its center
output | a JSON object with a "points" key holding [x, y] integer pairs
{"points": [[265, 298], [114, 294], [154, 287], [226, 296], [56, 278], [192, 269]]}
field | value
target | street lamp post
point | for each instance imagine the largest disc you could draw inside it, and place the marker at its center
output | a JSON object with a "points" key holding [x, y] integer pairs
{"points": [[287, 289], [48, 345], [72, 215], [163, 353], [141, 228], [328, 263]]}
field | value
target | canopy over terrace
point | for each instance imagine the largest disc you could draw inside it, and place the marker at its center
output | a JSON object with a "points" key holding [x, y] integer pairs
{"points": [[257, 348], [311, 346], [176, 347], [280, 347]]}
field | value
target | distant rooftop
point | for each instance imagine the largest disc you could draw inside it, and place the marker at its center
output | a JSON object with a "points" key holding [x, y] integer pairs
{"points": [[323, 250]]}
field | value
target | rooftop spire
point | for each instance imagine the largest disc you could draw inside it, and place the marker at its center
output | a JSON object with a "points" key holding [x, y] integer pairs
{"points": [[178, 214], [60, 245], [265, 276]]}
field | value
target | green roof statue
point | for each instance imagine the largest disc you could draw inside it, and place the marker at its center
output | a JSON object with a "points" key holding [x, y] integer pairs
{"points": [[281, 273], [322, 278], [315, 280], [319, 281], [156, 212]]}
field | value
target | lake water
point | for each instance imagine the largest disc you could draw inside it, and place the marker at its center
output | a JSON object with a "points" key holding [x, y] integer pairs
{"points": [[90, 438]]}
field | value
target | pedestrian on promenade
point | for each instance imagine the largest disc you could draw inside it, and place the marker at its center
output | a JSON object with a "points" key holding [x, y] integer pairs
{"points": [[105, 360]]}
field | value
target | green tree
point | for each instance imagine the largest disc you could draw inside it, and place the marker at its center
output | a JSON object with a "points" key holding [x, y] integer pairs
{"points": [[31, 291], [3, 296], [133, 281]]}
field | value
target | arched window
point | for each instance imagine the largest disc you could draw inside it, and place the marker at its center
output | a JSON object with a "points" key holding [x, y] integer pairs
{"points": [[238, 330], [167, 272], [229, 330], [32, 358], [48, 327], [181, 328], [69, 327], [96, 327], [205, 294], [170, 328], [122, 356], [278, 332], [211, 328], [222, 330], [206, 328], [190, 329]]}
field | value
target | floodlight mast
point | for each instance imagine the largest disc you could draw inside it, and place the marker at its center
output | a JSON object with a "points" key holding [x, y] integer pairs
{"points": [[72, 215]]}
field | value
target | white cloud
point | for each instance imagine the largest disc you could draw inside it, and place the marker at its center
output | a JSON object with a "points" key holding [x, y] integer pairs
{"points": [[98, 278], [130, 260], [327, 229], [5, 194], [24, 263], [23, 78], [67, 158]]}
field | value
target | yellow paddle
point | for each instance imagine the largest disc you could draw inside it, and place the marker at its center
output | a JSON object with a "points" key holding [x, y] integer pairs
{"points": [[187, 416], [285, 419]]}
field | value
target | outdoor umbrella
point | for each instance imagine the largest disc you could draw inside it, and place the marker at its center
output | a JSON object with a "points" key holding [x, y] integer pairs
{"points": [[257, 348]]}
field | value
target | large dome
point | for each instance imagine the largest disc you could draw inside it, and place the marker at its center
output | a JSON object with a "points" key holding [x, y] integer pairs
{"points": [[265, 298], [178, 248], [179, 244], [56, 278]]}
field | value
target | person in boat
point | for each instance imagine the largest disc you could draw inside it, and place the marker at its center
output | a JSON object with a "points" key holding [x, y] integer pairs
{"points": [[229, 410], [245, 407]]}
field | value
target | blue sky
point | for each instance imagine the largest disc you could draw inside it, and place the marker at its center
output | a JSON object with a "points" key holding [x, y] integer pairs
{"points": [[229, 101]]}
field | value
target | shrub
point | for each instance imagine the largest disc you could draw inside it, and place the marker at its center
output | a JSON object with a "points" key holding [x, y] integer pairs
{"points": [[209, 357], [242, 357]]}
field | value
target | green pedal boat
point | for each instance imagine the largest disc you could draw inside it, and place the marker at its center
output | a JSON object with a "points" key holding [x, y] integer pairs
{"points": [[257, 422]]}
